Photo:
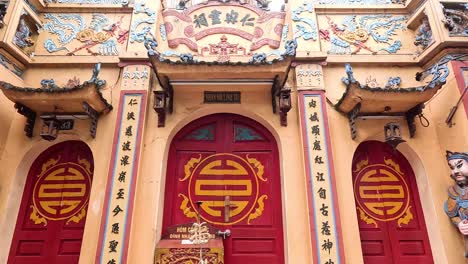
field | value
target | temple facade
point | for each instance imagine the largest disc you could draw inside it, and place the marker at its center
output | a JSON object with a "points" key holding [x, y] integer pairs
{"points": [[234, 131]]}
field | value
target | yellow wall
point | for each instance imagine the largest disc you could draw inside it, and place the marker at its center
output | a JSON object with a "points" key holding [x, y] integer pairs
{"points": [[425, 152], [188, 106], [20, 152]]}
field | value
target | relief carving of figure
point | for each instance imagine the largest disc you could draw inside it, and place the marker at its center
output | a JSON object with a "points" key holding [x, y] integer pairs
{"points": [[424, 34], [456, 206], [23, 35]]}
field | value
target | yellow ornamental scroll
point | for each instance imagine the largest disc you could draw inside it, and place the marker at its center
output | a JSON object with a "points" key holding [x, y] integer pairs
{"points": [[394, 165], [259, 211], [257, 165], [77, 218], [85, 163], [406, 218], [48, 164], [364, 217], [187, 210], [189, 166], [361, 164], [36, 218]]}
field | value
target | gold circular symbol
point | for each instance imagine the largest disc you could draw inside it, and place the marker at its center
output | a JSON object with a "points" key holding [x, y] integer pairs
{"points": [[227, 186], [62, 191], [381, 192]]}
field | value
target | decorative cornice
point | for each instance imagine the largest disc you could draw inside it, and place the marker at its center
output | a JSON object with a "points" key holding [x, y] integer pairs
{"points": [[188, 59], [49, 87]]}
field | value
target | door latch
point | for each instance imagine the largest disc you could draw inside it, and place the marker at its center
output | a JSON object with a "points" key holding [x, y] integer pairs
{"points": [[226, 233]]}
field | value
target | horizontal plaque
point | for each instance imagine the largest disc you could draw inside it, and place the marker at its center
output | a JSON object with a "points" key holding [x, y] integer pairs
{"points": [[222, 98]]}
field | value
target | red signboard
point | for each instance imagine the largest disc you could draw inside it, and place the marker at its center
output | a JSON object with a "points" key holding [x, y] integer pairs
{"points": [[53, 209], [391, 221], [230, 164]]}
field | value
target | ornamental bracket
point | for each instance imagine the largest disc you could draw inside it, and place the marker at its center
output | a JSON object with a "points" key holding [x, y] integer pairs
{"points": [[410, 115], [93, 115], [352, 115], [30, 118]]}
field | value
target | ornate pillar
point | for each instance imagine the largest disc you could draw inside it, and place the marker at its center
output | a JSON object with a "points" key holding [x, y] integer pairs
{"points": [[324, 215], [116, 218]]}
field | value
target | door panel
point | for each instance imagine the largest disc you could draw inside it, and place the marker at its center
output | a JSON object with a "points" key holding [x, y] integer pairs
{"points": [[390, 217], [53, 210], [230, 163]]}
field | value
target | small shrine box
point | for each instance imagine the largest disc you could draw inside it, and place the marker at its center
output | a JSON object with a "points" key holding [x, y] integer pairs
{"points": [[175, 247]]}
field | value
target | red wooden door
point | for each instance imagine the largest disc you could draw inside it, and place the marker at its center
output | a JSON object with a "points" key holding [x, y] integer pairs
{"points": [[391, 221], [50, 223], [230, 163]]}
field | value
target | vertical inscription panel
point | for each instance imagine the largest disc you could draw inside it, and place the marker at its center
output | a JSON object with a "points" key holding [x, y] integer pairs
{"points": [[120, 193], [323, 209]]}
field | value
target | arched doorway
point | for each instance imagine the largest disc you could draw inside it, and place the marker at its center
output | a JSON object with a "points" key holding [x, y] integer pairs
{"points": [[53, 210], [231, 164], [390, 216]]}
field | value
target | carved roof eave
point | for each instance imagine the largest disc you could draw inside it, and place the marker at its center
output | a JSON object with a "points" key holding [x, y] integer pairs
{"points": [[201, 70], [385, 101], [54, 99]]}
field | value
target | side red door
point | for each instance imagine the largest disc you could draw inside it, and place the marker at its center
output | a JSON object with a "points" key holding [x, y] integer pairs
{"points": [[51, 219], [391, 221], [230, 164]]}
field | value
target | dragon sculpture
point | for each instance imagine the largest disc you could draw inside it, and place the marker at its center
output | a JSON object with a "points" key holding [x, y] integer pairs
{"points": [[356, 32], [101, 32]]}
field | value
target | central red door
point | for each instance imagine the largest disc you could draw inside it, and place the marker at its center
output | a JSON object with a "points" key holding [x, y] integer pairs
{"points": [[230, 164], [391, 220]]}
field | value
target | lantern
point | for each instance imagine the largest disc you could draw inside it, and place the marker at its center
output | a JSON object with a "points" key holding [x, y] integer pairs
{"points": [[160, 106], [284, 105], [50, 129], [393, 134]]}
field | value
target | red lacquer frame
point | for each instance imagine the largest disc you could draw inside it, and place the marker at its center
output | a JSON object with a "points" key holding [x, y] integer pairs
{"points": [[458, 67]]}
